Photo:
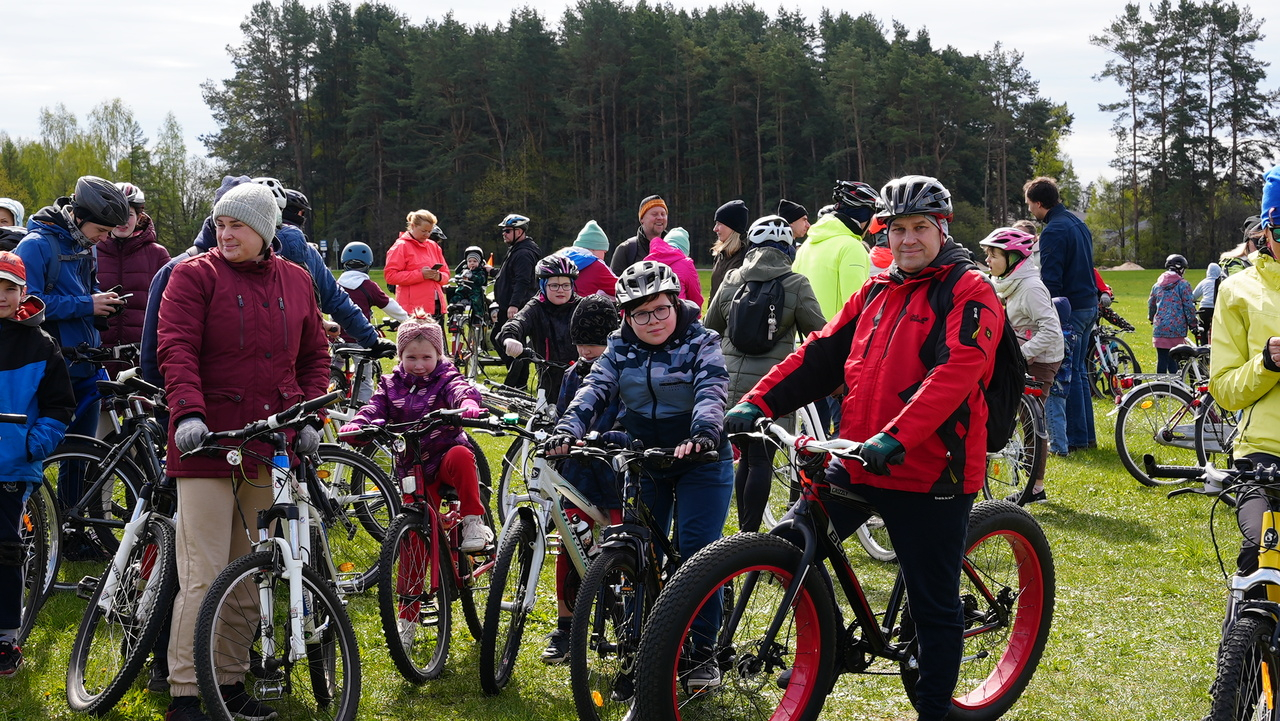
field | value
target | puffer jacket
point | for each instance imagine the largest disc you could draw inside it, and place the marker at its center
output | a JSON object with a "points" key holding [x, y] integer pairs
{"points": [[911, 372], [130, 263], [1031, 313], [835, 262], [68, 314], [593, 275], [1242, 376], [544, 328], [675, 259], [669, 392], [405, 261], [800, 313], [402, 397], [237, 342], [1169, 307], [33, 382]]}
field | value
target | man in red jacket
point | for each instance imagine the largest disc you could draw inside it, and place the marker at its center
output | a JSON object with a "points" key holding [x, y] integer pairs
{"points": [[913, 363]]}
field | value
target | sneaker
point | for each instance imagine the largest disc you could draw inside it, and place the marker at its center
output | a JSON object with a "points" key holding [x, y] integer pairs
{"points": [[243, 706], [408, 630], [557, 650], [185, 708], [624, 687], [476, 536], [703, 678], [1033, 497], [158, 678], [10, 658], [1063, 454]]}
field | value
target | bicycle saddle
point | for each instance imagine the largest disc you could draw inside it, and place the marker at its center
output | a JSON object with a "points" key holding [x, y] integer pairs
{"points": [[1186, 351]]}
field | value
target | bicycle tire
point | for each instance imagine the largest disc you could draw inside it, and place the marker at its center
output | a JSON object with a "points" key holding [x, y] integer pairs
{"points": [[1011, 470], [513, 478], [289, 686], [512, 574], [1010, 557], [1247, 670], [415, 619], [1126, 365], [784, 487], [110, 649], [875, 540], [124, 482], [367, 501], [40, 532], [1215, 434], [1159, 419], [474, 569], [749, 686], [605, 634]]}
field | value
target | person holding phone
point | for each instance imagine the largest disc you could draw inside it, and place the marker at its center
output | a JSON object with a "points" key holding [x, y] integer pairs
{"points": [[128, 259], [416, 267]]}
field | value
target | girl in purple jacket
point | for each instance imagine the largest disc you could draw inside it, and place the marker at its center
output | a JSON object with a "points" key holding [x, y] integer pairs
{"points": [[424, 381]]}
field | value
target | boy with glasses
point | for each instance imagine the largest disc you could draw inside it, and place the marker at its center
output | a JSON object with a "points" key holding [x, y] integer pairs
{"points": [[543, 323]]}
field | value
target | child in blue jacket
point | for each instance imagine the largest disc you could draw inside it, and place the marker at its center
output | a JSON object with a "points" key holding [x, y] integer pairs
{"points": [[34, 383]]}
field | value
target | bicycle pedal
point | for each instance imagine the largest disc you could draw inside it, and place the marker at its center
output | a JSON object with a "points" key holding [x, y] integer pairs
{"points": [[87, 587]]}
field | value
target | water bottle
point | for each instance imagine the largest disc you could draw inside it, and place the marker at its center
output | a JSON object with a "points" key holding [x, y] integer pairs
{"points": [[582, 529]]}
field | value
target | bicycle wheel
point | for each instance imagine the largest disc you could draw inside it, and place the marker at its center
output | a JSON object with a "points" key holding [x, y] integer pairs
{"points": [[230, 632], [753, 571], [415, 616], [104, 515], [1099, 385], [613, 601], [39, 532], [513, 479], [874, 538], [505, 612], [474, 570], [1007, 590], [111, 645], [1124, 363], [1248, 672], [363, 503], [1157, 419], [1215, 434], [1011, 470]]}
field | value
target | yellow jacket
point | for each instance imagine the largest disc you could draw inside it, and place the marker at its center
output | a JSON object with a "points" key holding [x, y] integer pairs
{"points": [[1247, 314], [835, 262]]}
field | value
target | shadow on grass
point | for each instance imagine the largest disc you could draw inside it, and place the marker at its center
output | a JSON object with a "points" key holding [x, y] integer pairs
{"points": [[1100, 525]]}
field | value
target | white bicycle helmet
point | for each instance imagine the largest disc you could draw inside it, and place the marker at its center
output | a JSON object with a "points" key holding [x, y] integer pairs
{"points": [[644, 280], [277, 189], [771, 228]]}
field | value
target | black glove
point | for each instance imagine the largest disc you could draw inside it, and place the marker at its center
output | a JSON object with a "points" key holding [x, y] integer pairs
{"points": [[385, 348], [553, 444], [880, 451], [742, 418], [701, 444]]}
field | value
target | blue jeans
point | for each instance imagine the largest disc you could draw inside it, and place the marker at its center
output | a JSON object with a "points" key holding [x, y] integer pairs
{"points": [[1055, 412], [1080, 430], [700, 498], [1164, 361]]}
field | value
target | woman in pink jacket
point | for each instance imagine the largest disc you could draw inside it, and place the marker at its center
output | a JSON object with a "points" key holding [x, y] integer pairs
{"points": [[416, 267], [674, 253]]}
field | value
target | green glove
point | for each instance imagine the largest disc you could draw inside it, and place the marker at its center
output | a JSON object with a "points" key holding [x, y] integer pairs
{"points": [[742, 418], [881, 450]]}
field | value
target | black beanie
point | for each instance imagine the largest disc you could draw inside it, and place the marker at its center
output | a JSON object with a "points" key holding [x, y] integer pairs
{"points": [[734, 216], [593, 320], [791, 212]]}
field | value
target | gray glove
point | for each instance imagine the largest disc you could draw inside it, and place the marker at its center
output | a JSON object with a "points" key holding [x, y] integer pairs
{"points": [[190, 433], [307, 441]]}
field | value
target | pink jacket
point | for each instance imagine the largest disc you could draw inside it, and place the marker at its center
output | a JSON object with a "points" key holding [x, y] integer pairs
{"points": [[690, 285], [405, 262]]}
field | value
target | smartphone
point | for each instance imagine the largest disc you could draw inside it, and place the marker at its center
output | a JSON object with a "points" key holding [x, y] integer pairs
{"points": [[437, 266], [126, 295]]}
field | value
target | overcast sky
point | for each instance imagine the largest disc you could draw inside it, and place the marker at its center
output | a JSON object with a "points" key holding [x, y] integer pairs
{"points": [[155, 54]]}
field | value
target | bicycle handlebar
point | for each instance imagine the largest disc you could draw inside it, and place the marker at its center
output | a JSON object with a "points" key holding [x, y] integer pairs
{"points": [[19, 418], [85, 352], [279, 420], [839, 447]]}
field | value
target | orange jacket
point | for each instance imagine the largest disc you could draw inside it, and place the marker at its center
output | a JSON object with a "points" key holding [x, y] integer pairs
{"points": [[405, 262]]}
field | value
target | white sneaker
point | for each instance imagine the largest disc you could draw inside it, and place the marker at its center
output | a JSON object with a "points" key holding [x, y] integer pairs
{"points": [[475, 534]]}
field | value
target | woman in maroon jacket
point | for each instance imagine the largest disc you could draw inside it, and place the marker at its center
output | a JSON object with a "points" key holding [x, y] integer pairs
{"points": [[239, 338], [130, 258]]}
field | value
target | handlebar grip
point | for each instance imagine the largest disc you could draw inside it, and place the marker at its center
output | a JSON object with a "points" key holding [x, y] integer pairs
{"points": [[142, 386], [287, 415], [1157, 471], [18, 418]]}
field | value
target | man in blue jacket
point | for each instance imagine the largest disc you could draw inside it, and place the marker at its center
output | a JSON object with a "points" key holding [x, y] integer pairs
{"points": [[1066, 266]]}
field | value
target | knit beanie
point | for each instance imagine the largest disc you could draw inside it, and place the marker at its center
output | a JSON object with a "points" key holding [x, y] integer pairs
{"points": [[734, 216], [791, 211], [653, 201], [252, 204], [229, 182], [419, 326], [592, 237], [679, 238], [1271, 198], [593, 320]]}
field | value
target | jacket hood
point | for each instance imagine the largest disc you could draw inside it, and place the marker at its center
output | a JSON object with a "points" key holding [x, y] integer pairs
{"points": [[764, 264], [829, 226], [51, 215], [1006, 284], [1169, 278], [1063, 307], [30, 311], [1214, 271], [352, 279], [208, 236], [581, 257], [686, 326], [663, 252], [143, 234]]}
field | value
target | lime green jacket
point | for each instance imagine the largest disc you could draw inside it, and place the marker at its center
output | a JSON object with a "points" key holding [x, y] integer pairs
{"points": [[835, 262], [1246, 315]]}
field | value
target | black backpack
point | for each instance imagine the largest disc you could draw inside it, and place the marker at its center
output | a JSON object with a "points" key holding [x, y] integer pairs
{"points": [[754, 315]]}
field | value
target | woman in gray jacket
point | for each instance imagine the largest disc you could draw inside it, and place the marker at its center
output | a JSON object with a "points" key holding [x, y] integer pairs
{"points": [[768, 257]]}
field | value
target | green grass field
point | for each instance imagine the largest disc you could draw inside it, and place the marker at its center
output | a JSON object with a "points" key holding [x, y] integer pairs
{"points": [[1139, 606]]}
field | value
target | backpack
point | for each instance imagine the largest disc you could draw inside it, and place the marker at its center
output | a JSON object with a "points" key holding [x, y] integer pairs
{"points": [[753, 322], [1008, 377]]}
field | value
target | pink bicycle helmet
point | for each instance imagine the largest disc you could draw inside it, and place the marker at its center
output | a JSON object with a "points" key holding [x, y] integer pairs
{"points": [[1011, 240]]}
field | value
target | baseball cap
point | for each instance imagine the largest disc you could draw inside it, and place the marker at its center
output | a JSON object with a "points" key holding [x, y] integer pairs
{"points": [[12, 269]]}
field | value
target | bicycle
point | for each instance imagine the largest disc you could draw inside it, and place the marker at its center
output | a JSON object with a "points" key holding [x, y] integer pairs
{"points": [[784, 639], [468, 333], [1012, 470], [1248, 666], [275, 614], [517, 462], [35, 527], [414, 602], [1110, 359]]}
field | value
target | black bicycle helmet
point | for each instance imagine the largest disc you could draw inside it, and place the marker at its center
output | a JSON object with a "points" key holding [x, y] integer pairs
{"points": [[853, 194], [643, 280], [295, 200], [1176, 263], [554, 265], [99, 201], [437, 234], [914, 195]]}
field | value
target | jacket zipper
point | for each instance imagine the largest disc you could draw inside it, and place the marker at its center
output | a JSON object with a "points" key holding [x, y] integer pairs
{"points": [[240, 302], [284, 321], [648, 379]]}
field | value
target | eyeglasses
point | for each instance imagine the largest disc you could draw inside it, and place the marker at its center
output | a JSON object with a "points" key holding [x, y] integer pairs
{"points": [[508, 230], [559, 286], [644, 317]]}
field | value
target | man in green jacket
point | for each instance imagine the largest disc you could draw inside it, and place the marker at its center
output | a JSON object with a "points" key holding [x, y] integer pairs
{"points": [[834, 258]]}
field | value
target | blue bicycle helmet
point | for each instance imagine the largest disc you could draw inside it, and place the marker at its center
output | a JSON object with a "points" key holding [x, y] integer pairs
{"points": [[514, 221], [357, 256]]}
